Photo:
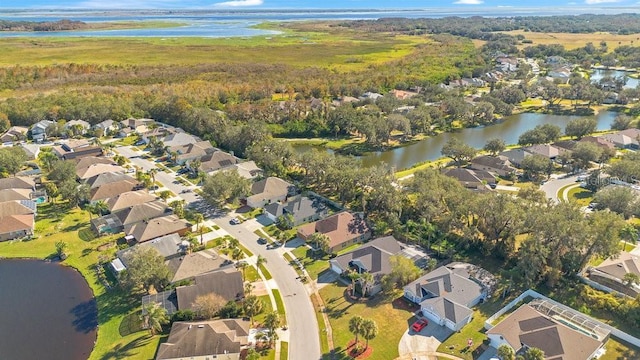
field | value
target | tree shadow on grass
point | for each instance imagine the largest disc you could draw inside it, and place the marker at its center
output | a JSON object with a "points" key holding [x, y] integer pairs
{"points": [[74, 227], [116, 303], [337, 354], [86, 252], [86, 235], [126, 351], [130, 324]]}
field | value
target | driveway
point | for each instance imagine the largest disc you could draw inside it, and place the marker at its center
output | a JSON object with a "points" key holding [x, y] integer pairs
{"points": [[552, 186], [427, 340], [303, 327]]}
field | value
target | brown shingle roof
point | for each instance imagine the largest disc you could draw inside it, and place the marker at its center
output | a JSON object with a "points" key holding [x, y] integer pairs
{"points": [[17, 182], [128, 199], [105, 178], [226, 282], [90, 160], [112, 189], [526, 326], [340, 228], [190, 265], [217, 160], [155, 228], [96, 169], [139, 212], [205, 338], [14, 194], [13, 223], [623, 264], [14, 207]]}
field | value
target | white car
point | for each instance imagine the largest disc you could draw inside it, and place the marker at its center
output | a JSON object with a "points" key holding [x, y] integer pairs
{"points": [[235, 221]]}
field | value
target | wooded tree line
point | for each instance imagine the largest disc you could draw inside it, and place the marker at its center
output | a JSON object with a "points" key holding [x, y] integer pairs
{"points": [[8, 25]]}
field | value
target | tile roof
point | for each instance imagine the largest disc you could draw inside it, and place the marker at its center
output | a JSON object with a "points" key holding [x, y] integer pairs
{"points": [[220, 339], [340, 228], [526, 326]]}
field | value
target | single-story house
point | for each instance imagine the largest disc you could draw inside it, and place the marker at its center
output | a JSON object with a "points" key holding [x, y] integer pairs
{"points": [[611, 272], [216, 161], [85, 162], [158, 133], [129, 198], [180, 139], [226, 282], [446, 295], [622, 141], [224, 339], [96, 169], [632, 133], [499, 165], [137, 125], [16, 226], [169, 247], [106, 178], [600, 142], [269, 190], [195, 264], [15, 133], [39, 130], [31, 150], [343, 229], [117, 220], [18, 182], [107, 126], [15, 194], [402, 94], [549, 151], [81, 126], [248, 169], [371, 96], [109, 190], [18, 207], [191, 151], [515, 156], [154, 228], [303, 209], [372, 257], [565, 145], [81, 152], [471, 179], [526, 328]]}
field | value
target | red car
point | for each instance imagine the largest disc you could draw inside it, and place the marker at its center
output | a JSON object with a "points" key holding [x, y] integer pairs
{"points": [[419, 325]]}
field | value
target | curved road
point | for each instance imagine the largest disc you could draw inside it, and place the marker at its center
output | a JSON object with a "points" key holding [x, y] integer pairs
{"points": [[304, 341], [552, 186]]}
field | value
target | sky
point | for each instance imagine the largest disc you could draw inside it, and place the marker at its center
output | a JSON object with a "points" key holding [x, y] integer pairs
{"points": [[309, 4]]}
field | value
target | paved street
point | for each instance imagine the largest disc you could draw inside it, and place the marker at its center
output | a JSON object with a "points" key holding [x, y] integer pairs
{"points": [[303, 327], [552, 186]]}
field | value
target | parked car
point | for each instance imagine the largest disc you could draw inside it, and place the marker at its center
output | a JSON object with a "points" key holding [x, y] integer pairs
{"points": [[235, 221], [262, 241], [186, 191], [419, 325], [182, 171]]}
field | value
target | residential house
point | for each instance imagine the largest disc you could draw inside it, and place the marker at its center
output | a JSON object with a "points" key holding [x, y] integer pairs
{"points": [[612, 271], [549, 151], [106, 178], [169, 247], [216, 161], [343, 229], [471, 179], [137, 125], [402, 94], [125, 131], [107, 126], [446, 295], [15, 133], [190, 152], [96, 169], [191, 265], [16, 226], [158, 133], [128, 199], [632, 133], [180, 139], [622, 141], [302, 209], [371, 96], [372, 257], [85, 162], [39, 130], [515, 156], [269, 190], [81, 127], [565, 145], [344, 100], [112, 189], [248, 169], [31, 150], [18, 207], [214, 339], [106, 224], [18, 182], [527, 328], [602, 143], [15, 194], [154, 228], [562, 73], [499, 165], [77, 149], [506, 64]]}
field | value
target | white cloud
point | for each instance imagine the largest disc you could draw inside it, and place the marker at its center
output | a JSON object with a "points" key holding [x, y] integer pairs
{"points": [[592, 2], [238, 3], [469, 2]]}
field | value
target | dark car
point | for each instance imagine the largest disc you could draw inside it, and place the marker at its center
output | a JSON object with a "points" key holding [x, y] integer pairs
{"points": [[419, 325], [262, 241]]}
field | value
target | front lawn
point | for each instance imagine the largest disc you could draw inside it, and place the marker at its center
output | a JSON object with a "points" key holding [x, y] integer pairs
{"points": [[117, 338], [392, 320], [312, 263], [581, 196], [251, 274]]}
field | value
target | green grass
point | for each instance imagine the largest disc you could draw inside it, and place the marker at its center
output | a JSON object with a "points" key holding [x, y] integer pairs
{"points": [[392, 320], [127, 141], [117, 338], [251, 274], [284, 350], [322, 327], [288, 257], [617, 350], [266, 308], [276, 233], [265, 272], [245, 250], [581, 196], [279, 303], [314, 265]]}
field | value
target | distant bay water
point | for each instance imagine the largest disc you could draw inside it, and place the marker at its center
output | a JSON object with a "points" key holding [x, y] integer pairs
{"points": [[215, 24]]}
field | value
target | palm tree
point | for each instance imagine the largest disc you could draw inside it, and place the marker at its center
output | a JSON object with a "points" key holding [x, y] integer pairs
{"points": [[152, 173], [272, 322], [237, 254], [629, 233], [534, 354], [260, 260], [367, 279], [154, 316], [248, 288], [506, 352], [252, 306], [178, 207], [242, 266], [355, 326], [164, 195], [198, 218], [61, 246], [369, 330], [353, 276]]}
